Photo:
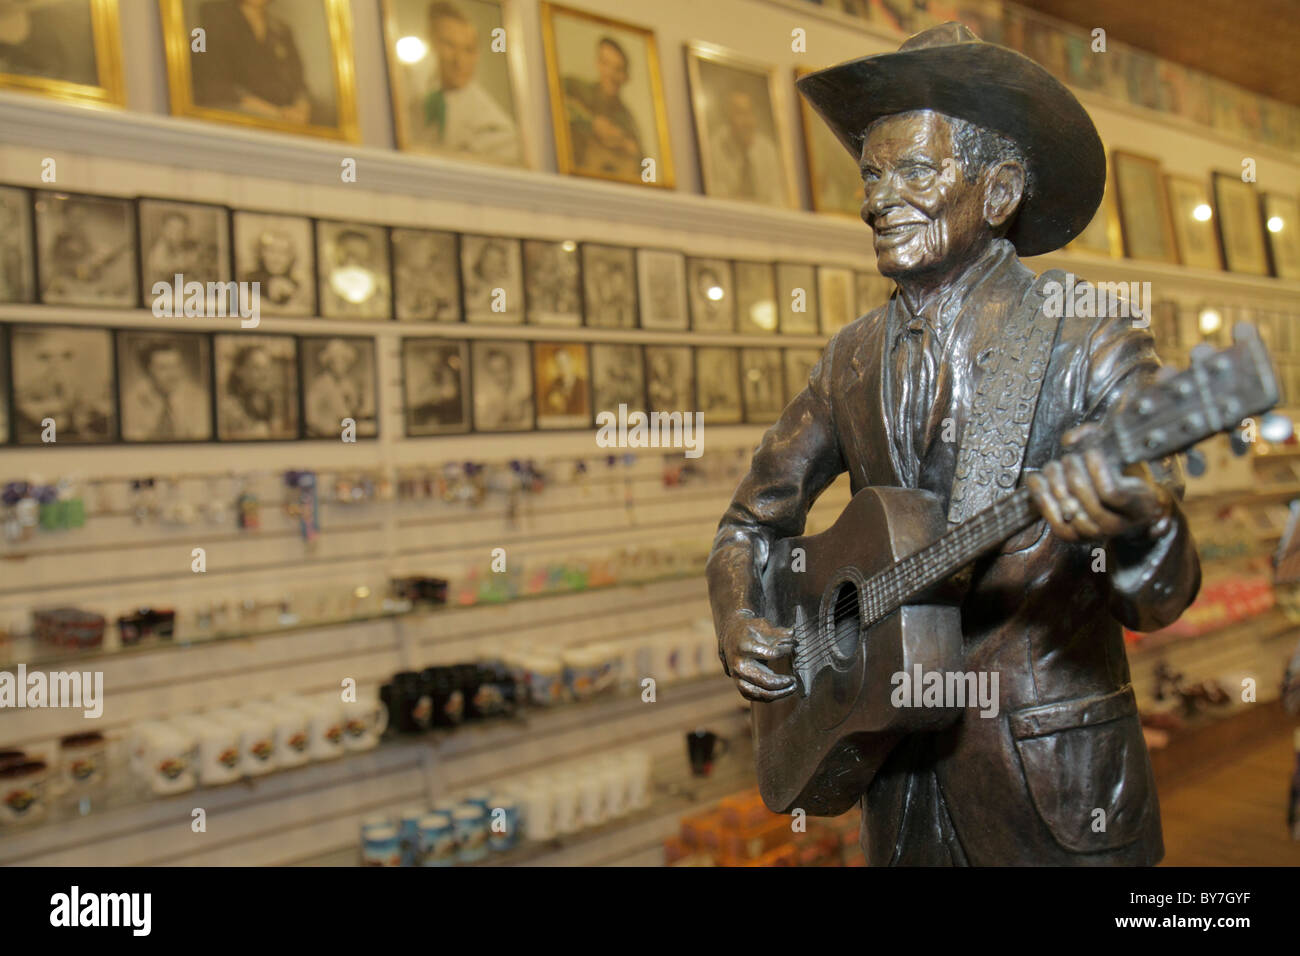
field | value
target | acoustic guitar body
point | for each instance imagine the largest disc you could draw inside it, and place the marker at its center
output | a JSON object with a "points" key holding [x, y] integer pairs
{"points": [[819, 748]]}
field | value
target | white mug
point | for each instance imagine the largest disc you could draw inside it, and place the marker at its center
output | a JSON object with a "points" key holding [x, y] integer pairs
{"points": [[324, 727], [591, 796], [256, 740], [164, 756], [218, 748], [564, 793], [364, 722], [539, 809], [289, 728]]}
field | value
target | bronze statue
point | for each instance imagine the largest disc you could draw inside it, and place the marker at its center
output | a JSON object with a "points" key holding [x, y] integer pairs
{"points": [[940, 404]]}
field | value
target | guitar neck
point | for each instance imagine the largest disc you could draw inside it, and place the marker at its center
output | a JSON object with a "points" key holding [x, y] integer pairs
{"points": [[889, 590]]}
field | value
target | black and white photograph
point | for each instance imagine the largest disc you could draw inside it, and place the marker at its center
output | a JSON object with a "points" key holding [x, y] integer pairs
{"points": [[670, 380], [86, 250], [563, 383], [17, 264], [493, 276], [717, 377], [186, 239], [256, 386], [352, 262], [552, 287], [503, 386], [871, 291], [426, 275], [796, 295], [339, 381], [609, 286], [435, 386], [63, 385], [165, 386], [798, 366], [762, 385], [836, 296], [756, 297], [617, 377], [712, 293], [661, 281], [277, 252]]}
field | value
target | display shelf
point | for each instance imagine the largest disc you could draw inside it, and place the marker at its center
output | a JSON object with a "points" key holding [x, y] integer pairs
{"points": [[125, 810], [45, 656], [676, 793]]}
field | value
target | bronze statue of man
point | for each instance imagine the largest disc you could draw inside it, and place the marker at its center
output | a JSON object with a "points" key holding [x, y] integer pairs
{"points": [[971, 156]]}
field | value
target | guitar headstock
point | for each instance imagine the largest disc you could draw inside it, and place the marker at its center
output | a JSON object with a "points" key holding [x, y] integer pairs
{"points": [[1179, 409]]}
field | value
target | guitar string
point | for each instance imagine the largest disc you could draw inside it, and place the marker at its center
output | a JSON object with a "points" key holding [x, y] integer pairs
{"points": [[885, 592]]}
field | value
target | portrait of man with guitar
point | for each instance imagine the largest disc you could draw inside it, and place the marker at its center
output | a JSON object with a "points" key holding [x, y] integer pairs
{"points": [[1015, 493]]}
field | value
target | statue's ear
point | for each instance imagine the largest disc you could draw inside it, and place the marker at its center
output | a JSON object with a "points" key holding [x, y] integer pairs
{"points": [[1004, 189]]}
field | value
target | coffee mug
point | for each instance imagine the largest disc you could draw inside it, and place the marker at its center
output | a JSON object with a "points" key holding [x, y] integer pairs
{"points": [[256, 740], [163, 756], [82, 759], [364, 723], [23, 791], [289, 730], [218, 748], [701, 746], [324, 726]]}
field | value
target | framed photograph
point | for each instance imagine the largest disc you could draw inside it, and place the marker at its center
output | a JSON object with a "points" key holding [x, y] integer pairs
{"points": [[503, 386], [717, 372], [607, 99], [339, 382], [798, 367], [454, 79], [836, 295], [277, 252], [762, 384], [164, 385], [661, 278], [256, 386], [796, 296], [1241, 231], [64, 385], [609, 286], [492, 275], [743, 147], [711, 289], [353, 271], [284, 66], [435, 386], [1145, 225], [871, 291], [1193, 218], [1282, 225], [68, 50], [552, 284], [562, 377], [17, 244], [182, 243], [670, 385], [756, 296], [426, 275], [86, 250], [834, 180], [617, 377]]}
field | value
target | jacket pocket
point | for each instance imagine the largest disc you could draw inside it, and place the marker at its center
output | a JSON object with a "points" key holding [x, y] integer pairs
{"points": [[1082, 756]]}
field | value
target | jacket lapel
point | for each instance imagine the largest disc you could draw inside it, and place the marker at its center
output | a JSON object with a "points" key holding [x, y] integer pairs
{"points": [[868, 406]]}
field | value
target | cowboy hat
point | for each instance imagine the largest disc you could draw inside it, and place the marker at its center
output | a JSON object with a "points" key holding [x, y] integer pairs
{"points": [[952, 71]]}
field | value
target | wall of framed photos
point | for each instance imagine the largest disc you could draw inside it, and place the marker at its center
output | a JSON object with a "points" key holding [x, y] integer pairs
{"points": [[585, 261]]}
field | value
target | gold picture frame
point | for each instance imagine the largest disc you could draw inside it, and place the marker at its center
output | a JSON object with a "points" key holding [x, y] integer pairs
{"points": [[1282, 229], [106, 42], [1192, 213], [1145, 224], [1102, 236], [1241, 227], [600, 160], [770, 149], [504, 141], [177, 26], [819, 147]]}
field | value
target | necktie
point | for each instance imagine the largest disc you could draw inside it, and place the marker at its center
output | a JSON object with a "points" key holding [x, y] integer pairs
{"points": [[926, 365]]}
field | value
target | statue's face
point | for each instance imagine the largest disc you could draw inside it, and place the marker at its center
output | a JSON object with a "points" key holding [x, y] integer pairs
{"points": [[925, 215]]}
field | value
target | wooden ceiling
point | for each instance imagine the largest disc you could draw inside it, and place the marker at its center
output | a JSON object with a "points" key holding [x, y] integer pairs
{"points": [[1253, 43]]}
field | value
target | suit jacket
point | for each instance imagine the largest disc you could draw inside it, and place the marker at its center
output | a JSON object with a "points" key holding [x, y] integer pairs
{"points": [[1022, 787]]}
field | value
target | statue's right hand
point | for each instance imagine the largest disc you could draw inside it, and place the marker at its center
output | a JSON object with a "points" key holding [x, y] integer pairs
{"points": [[747, 644]]}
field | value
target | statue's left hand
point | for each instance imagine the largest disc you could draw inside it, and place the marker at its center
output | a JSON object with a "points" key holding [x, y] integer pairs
{"points": [[1086, 497]]}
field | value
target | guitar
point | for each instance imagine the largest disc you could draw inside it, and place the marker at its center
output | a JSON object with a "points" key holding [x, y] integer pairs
{"points": [[848, 596]]}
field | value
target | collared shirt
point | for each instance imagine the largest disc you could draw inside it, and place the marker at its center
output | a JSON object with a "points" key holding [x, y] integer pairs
{"points": [[930, 368]]}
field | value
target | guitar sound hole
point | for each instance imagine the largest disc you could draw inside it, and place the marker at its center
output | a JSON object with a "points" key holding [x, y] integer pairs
{"points": [[846, 620]]}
